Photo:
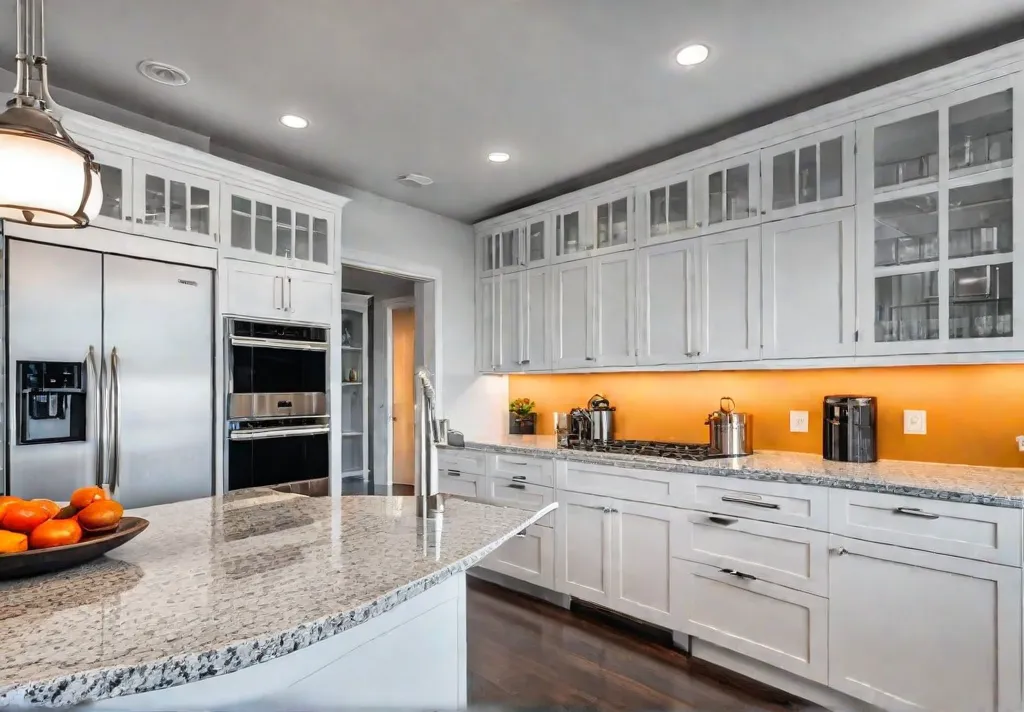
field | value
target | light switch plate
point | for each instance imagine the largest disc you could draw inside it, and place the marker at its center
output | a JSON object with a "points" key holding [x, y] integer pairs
{"points": [[798, 421], [915, 422]]}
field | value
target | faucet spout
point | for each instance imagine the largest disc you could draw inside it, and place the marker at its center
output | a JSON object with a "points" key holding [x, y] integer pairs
{"points": [[428, 501]]}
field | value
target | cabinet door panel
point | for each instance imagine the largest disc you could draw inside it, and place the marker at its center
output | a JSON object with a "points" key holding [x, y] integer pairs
{"points": [[574, 314], [731, 296], [528, 556], [731, 193], [537, 319], [175, 205], [808, 289], [641, 554], [488, 323], [310, 297], [809, 174], [255, 290], [910, 630], [511, 355], [116, 179], [668, 303], [583, 547], [615, 301]]}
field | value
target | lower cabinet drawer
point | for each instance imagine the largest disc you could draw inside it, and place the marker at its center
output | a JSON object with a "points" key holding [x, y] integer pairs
{"points": [[780, 502], [457, 483], [776, 553], [764, 621], [510, 493], [468, 462], [528, 556]]}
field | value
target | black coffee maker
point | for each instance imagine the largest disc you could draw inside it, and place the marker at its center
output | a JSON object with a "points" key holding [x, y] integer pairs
{"points": [[850, 428]]}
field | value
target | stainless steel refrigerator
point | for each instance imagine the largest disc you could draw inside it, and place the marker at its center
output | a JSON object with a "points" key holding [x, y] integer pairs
{"points": [[110, 375]]}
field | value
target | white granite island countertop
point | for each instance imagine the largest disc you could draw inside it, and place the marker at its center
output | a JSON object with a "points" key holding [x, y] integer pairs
{"points": [[215, 585], [994, 486]]}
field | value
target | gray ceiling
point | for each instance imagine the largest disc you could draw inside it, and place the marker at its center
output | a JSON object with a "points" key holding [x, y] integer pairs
{"points": [[430, 86]]}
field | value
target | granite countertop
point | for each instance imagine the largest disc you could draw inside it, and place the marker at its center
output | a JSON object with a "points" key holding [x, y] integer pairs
{"points": [[995, 486], [218, 584]]}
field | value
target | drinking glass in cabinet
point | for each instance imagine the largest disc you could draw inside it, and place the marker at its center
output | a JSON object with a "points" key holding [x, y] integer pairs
{"points": [[981, 132], [199, 210], [981, 219], [241, 223], [808, 175], [112, 183], [906, 230], [568, 236], [156, 200], [612, 223], [283, 244], [510, 247], [178, 213], [535, 239], [301, 236], [907, 307], [907, 151], [729, 194], [264, 234], [320, 246], [981, 301], [669, 209]]}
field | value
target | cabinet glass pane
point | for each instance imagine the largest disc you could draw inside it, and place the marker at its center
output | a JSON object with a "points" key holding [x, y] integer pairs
{"points": [[830, 184], [264, 228], [907, 307], [156, 200], [488, 256], [784, 180], [981, 131], [567, 232], [320, 240], [808, 174], [620, 221], [179, 206], [981, 219], [112, 182], [199, 210], [716, 189], [603, 225], [737, 188], [981, 301], [907, 230], [907, 151], [241, 223], [283, 244], [658, 202], [678, 206], [301, 236], [509, 248], [536, 240]]}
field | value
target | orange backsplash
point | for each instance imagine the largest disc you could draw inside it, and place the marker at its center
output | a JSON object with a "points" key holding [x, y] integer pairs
{"points": [[974, 413]]}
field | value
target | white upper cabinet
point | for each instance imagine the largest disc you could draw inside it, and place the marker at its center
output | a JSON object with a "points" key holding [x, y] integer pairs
{"points": [[259, 227], [936, 226], [537, 241], [508, 247], [610, 220], [668, 294], [488, 323], [537, 319], [572, 239], [668, 210], [573, 289], [310, 297], [116, 211], [807, 296], [487, 255], [730, 279], [808, 174], [173, 204], [511, 354], [615, 310], [730, 193]]}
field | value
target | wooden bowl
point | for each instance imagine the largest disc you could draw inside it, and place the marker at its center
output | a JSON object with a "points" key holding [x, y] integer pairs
{"points": [[45, 561]]}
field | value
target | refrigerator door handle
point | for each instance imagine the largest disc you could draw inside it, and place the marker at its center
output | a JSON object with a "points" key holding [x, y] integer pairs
{"points": [[115, 442], [104, 426], [96, 388]]}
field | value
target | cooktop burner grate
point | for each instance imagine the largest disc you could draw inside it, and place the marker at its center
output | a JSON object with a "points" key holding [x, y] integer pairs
{"points": [[651, 448]]}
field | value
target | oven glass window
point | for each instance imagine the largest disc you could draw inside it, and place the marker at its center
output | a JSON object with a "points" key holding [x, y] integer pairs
{"points": [[277, 461], [270, 370]]}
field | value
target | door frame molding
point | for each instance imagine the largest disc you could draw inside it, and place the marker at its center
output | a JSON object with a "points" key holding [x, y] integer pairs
{"points": [[383, 387]]}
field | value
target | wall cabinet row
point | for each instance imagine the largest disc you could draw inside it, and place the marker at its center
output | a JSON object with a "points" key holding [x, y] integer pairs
{"points": [[277, 293]]}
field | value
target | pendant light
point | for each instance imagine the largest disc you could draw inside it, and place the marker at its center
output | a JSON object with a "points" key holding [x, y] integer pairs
{"points": [[46, 179]]}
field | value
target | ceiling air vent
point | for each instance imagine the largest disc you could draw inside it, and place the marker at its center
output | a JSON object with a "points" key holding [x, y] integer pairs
{"points": [[414, 180], [162, 73]]}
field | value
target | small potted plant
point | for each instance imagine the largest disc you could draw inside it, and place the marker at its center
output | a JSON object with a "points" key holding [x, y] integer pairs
{"points": [[522, 420]]}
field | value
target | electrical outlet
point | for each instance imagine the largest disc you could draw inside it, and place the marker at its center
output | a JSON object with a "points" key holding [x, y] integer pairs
{"points": [[915, 422], [798, 421], [1020, 443]]}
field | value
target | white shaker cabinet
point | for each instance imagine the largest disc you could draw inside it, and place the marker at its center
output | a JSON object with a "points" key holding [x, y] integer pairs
{"points": [[270, 229], [173, 204], [669, 210], [116, 210], [730, 279], [912, 630], [510, 355], [730, 192], [574, 309], [583, 547], [310, 296], [527, 556], [614, 312], [809, 174], [807, 268], [668, 308], [641, 556], [488, 320], [536, 316], [255, 290]]}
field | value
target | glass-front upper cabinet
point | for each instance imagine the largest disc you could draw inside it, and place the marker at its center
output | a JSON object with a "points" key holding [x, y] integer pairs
{"points": [[116, 181], [808, 174], [501, 249], [572, 239], [610, 222], [267, 229], [668, 210], [486, 252], [731, 192], [536, 236], [174, 205], [936, 228]]}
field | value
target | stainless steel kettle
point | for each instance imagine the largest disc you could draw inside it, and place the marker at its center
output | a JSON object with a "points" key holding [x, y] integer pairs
{"points": [[729, 431], [602, 419]]}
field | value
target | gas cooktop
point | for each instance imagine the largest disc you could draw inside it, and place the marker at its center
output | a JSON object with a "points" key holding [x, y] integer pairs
{"points": [[651, 448]]}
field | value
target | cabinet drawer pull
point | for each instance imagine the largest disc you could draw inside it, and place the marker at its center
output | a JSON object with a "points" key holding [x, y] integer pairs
{"points": [[518, 477], [839, 550], [738, 500], [520, 535], [915, 512], [738, 574], [717, 519], [515, 486], [454, 473], [517, 463]]}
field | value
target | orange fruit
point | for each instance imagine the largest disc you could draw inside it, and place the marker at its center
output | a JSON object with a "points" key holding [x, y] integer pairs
{"points": [[24, 516], [84, 496], [52, 507], [67, 512], [5, 502], [100, 516], [55, 532], [12, 542]]}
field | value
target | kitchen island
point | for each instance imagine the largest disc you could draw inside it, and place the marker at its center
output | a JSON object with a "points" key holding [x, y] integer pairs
{"points": [[236, 598]]}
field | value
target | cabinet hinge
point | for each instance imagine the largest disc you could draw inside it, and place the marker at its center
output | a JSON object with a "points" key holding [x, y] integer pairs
{"points": [[856, 335]]}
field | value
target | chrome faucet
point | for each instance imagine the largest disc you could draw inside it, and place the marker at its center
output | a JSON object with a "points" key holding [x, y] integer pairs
{"points": [[428, 501]]}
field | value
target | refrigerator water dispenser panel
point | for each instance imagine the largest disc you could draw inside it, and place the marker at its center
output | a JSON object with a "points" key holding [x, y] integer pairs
{"points": [[51, 402]]}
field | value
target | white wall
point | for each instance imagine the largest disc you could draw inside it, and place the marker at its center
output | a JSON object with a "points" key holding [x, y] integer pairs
{"points": [[381, 286]]}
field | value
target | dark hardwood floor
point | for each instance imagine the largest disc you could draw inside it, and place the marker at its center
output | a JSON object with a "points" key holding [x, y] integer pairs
{"points": [[527, 653]]}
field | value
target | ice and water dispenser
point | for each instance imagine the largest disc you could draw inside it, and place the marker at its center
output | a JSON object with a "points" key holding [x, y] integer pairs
{"points": [[51, 402]]}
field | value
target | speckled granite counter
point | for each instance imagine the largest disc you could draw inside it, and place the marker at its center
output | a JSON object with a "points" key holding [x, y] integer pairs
{"points": [[995, 486], [215, 585]]}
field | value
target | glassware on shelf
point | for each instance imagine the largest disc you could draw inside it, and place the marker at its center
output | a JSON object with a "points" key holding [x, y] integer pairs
{"points": [[906, 230], [981, 219], [981, 301], [981, 131], [907, 151], [906, 307]]}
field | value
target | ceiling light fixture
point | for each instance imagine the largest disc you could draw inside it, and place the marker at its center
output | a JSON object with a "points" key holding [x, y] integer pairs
{"points": [[163, 73], [415, 180], [46, 179], [498, 157], [692, 54], [294, 122]]}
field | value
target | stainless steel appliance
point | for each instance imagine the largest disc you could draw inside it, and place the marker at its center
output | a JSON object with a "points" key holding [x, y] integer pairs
{"points": [[277, 409], [649, 448], [112, 377], [562, 429], [602, 418], [850, 428], [729, 432]]}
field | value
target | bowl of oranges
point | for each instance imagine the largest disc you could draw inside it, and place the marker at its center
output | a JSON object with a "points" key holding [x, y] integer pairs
{"points": [[40, 536]]}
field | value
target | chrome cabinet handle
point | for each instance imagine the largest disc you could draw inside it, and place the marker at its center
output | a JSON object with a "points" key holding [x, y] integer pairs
{"points": [[589, 358], [612, 510], [915, 512], [520, 535], [515, 486], [738, 500], [115, 444], [718, 519], [838, 550], [289, 294], [454, 473], [738, 574], [525, 362], [518, 477], [594, 506], [104, 423], [97, 410], [517, 463]]}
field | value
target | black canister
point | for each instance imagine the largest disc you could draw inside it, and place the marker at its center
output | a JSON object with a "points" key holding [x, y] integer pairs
{"points": [[850, 428]]}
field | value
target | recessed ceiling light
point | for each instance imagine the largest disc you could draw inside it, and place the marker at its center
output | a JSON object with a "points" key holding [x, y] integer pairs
{"points": [[498, 157], [415, 180], [294, 122], [692, 54], [163, 73]]}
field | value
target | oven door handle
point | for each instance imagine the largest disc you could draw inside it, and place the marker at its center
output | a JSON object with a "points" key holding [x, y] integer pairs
{"points": [[267, 433], [278, 344]]}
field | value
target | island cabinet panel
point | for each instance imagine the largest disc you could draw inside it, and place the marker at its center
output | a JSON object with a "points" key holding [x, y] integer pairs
{"points": [[912, 630]]}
